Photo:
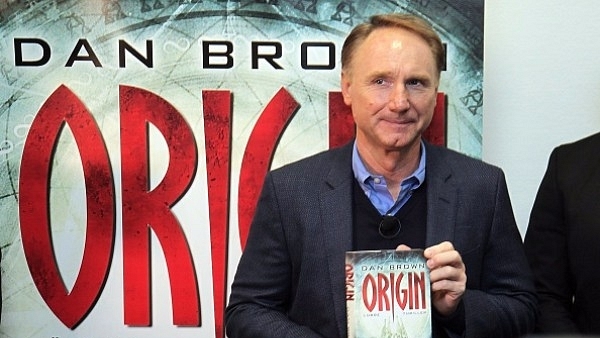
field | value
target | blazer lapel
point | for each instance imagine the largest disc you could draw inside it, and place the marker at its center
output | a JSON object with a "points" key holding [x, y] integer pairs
{"points": [[336, 215], [442, 196]]}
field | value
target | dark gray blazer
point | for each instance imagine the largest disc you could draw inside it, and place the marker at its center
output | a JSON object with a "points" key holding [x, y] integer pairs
{"points": [[562, 239], [290, 278]]}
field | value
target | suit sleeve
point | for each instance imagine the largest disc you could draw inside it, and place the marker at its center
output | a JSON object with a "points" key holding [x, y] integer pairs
{"points": [[262, 286], [500, 299], [546, 248]]}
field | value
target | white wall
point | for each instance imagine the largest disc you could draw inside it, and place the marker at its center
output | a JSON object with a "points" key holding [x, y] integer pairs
{"points": [[541, 86]]}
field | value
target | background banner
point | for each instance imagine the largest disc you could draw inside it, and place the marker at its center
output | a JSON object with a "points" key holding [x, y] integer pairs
{"points": [[135, 135]]}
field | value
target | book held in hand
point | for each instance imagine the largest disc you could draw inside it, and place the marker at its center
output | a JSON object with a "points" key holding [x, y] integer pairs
{"points": [[388, 294]]}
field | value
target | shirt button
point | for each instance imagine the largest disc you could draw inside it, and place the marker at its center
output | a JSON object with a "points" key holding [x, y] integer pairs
{"points": [[377, 180]]}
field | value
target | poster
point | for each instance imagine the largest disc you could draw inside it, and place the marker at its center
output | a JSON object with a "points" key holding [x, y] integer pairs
{"points": [[134, 136]]}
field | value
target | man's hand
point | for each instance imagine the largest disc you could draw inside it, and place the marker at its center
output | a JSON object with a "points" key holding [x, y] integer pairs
{"points": [[447, 274]]}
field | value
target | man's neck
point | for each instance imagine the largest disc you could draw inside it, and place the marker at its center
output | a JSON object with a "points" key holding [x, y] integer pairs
{"points": [[394, 165]]}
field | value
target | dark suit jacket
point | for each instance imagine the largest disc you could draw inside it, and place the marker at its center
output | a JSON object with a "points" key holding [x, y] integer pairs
{"points": [[290, 278], [563, 236]]}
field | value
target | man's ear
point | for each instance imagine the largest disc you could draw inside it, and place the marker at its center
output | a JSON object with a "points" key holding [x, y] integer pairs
{"points": [[346, 87]]}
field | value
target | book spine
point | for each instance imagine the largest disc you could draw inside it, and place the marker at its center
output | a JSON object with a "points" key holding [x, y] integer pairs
{"points": [[350, 299]]}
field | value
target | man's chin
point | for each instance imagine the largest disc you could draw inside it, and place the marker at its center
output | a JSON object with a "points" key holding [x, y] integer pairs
{"points": [[403, 143]]}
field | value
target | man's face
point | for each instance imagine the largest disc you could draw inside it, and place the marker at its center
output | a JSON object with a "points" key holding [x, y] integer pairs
{"points": [[391, 85]]}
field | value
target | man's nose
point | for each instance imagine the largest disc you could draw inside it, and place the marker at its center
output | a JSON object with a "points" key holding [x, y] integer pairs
{"points": [[399, 99]]}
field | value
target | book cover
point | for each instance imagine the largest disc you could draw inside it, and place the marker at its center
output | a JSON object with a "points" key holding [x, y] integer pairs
{"points": [[388, 294]]}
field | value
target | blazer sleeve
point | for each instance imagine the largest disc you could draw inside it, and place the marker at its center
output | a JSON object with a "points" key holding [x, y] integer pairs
{"points": [[546, 247], [262, 287], [500, 299]]}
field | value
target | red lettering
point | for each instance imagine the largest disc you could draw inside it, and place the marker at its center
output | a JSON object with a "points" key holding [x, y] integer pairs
{"points": [[400, 292], [387, 291], [341, 122], [259, 154], [369, 292], [383, 284], [349, 282], [418, 285], [63, 107], [145, 209], [217, 134]]}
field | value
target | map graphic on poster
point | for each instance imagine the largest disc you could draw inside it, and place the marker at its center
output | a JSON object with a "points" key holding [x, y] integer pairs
{"points": [[134, 137]]}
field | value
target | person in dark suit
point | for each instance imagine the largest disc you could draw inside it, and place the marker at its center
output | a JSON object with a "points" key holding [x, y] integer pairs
{"points": [[562, 239], [290, 278]]}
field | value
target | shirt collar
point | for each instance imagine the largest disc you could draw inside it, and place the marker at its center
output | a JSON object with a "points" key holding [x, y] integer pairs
{"points": [[362, 174]]}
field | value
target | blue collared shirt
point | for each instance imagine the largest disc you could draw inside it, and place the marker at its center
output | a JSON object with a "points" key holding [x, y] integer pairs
{"points": [[376, 189]]}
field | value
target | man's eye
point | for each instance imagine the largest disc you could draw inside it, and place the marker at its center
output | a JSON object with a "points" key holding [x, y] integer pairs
{"points": [[379, 81], [413, 82]]}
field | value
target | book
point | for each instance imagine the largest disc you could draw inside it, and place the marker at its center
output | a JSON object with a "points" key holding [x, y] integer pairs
{"points": [[388, 294]]}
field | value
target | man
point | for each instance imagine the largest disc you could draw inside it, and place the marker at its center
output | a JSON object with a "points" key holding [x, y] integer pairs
{"points": [[562, 240], [290, 279]]}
